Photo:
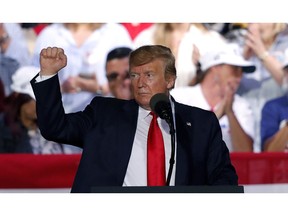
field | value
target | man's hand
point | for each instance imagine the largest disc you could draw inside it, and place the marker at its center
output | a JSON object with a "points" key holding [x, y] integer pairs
{"points": [[52, 60]]}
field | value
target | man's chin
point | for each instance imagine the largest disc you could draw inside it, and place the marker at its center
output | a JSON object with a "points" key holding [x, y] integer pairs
{"points": [[143, 100]]}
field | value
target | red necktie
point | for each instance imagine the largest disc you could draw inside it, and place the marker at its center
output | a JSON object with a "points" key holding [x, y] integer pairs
{"points": [[155, 155]]}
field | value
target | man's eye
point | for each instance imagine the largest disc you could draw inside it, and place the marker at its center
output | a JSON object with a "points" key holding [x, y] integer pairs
{"points": [[113, 76], [133, 76]]}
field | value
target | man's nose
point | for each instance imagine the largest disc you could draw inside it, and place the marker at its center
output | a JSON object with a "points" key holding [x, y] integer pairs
{"points": [[141, 81]]}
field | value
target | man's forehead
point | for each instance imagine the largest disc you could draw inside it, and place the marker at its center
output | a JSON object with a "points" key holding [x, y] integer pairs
{"points": [[117, 66], [119, 61], [150, 66]]}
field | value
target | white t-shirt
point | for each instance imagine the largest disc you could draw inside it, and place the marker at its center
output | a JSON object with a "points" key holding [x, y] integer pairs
{"points": [[193, 96]]}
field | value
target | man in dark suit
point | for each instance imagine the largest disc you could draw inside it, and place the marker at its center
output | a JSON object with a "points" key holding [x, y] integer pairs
{"points": [[113, 132]]}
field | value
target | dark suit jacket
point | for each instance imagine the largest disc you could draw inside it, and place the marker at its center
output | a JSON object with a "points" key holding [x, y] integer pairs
{"points": [[106, 129]]}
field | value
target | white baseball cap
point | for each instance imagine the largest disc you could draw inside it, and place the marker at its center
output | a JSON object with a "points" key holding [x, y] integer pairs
{"points": [[21, 80], [227, 54]]}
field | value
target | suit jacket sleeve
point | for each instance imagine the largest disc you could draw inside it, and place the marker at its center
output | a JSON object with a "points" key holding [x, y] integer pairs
{"points": [[53, 123]]}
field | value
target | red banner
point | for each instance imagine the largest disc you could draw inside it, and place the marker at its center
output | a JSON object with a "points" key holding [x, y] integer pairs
{"points": [[58, 171], [37, 171], [261, 168]]}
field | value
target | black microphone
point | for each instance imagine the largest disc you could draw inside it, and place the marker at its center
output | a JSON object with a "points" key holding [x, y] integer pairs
{"points": [[160, 105]]}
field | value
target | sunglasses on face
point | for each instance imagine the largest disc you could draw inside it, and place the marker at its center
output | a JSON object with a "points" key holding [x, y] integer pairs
{"points": [[114, 75]]}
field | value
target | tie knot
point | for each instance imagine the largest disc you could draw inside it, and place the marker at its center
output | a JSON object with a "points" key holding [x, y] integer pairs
{"points": [[154, 115]]}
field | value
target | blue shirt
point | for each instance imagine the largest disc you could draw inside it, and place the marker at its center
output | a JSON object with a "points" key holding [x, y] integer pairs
{"points": [[273, 112], [8, 67]]}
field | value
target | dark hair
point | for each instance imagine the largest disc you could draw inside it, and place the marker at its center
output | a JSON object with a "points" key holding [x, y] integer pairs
{"points": [[118, 53], [148, 53], [199, 74], [13, 104]]}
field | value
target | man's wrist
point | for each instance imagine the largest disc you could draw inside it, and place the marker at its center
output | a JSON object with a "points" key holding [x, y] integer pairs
{"points": [[41, 77]]}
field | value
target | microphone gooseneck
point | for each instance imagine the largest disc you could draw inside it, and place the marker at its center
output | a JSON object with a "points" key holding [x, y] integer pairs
{"points": [[160, 105]]}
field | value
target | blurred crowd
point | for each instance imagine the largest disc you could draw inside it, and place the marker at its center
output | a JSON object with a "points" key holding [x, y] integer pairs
{"points": [[237, 70]]}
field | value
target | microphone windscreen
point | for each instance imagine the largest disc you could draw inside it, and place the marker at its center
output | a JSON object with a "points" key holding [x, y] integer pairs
{"points": [[158, 102]]}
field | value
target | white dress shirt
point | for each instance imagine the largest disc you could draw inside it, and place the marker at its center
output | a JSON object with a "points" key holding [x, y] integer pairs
{"points": [[136, 174]]}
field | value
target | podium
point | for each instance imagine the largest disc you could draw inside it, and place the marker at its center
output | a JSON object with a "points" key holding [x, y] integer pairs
{"points": [[170, 189]]}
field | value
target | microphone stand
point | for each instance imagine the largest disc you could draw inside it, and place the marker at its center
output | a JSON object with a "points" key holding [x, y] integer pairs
{"points": [[161, 106], [172, 158]]}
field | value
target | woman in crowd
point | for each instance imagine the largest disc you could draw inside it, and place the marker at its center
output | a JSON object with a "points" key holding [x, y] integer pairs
{"points": [[264, 45], [19, 129]]}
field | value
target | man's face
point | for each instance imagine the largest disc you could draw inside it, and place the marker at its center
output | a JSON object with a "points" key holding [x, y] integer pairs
{"points": [[230, 76], [149, 79], [118, 78]]}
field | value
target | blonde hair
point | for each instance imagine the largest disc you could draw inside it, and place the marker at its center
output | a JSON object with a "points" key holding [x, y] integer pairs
{"points": [[163, 34], [279, 27]]}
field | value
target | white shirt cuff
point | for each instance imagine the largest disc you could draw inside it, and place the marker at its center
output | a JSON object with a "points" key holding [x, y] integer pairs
{"points": [[41, 78]]}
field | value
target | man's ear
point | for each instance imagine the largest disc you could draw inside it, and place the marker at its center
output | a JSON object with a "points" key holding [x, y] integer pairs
{"points": [[170, 81]]}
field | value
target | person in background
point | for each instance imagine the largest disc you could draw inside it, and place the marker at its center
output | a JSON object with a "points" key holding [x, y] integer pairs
{"points": [[114, 133], [117, 72], [31, 31], [8, 67], [217, 83], [264, 45], [274, 120], [204, 39], [87, 45], [19, 132], [13, 43]]}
